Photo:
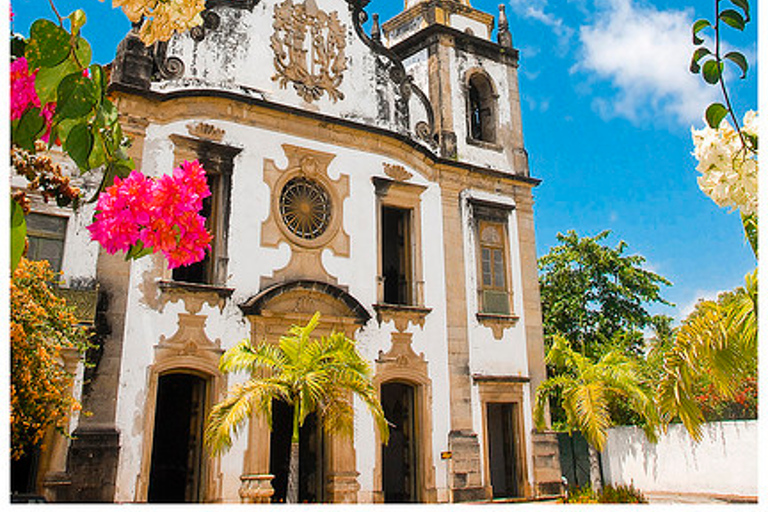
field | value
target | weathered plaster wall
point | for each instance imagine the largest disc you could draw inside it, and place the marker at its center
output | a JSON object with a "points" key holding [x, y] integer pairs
{"points": [[249, 262], [238, 57], [724, 462]]}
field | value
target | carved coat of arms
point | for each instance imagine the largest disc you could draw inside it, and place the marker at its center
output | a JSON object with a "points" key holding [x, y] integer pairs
{"points": [[309, 50]]}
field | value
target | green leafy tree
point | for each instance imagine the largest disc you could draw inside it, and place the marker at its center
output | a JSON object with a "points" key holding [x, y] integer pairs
{"points": [[588, 388], [594, 295], [313, 375]]}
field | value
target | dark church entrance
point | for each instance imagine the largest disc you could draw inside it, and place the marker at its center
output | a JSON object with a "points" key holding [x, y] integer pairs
{"points": [[176, 474], [502, 449], [399, 468], [311, 467]]}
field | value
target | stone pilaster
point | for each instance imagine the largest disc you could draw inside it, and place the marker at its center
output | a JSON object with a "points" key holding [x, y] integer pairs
{"points": [[465, 479]]}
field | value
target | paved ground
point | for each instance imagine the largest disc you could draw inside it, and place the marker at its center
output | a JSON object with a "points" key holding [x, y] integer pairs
{"points": [[666, 498]]}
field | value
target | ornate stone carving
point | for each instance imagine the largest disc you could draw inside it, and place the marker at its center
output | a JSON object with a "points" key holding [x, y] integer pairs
{"points": [[309, 46], [497, 323], [205, 131], [397, 172], [306, 252], [401, 315]]}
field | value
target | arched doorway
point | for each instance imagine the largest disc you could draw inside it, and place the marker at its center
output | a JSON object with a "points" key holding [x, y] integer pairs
{"points": [[399, 461], [327, 464], [176, 468]]}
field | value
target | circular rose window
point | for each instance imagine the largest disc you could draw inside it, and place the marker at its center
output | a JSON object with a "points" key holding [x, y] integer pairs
{"points": [[305, 208]]}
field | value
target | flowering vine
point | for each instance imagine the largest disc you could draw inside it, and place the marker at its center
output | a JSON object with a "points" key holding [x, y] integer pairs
{"points": [[42, 326]]}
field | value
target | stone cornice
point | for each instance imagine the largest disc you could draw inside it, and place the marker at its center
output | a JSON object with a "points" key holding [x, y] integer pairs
{"points": [[430, 159], [432, 35]]}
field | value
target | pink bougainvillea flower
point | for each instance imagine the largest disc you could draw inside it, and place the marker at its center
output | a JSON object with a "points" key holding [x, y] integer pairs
{"points": [[162, 214], [23, 93], [47, 113]]}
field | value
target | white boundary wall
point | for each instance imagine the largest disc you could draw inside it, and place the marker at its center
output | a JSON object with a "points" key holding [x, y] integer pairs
{"points": [[723, 462]]}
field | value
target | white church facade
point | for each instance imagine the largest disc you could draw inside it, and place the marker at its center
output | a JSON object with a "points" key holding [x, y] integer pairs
{"points": [[378, 177]]}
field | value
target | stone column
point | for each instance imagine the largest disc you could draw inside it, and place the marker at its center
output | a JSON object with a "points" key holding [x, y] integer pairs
{"points": [[94, 452]]}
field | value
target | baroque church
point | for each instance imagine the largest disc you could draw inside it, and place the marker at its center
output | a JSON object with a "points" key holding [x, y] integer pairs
{"points": [[378, 177]]}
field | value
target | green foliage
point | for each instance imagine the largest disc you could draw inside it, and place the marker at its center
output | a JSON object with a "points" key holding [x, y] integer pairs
{"points": [[313, 375], [595, 295], [85, 122], [608, 494], [18, 234], [710, 63]]}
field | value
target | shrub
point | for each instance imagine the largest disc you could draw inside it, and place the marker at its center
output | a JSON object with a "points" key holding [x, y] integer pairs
{"points": [[609, 494]]}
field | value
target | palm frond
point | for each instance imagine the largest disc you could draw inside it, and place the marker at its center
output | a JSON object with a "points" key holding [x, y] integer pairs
{"points": [[227, 417]]}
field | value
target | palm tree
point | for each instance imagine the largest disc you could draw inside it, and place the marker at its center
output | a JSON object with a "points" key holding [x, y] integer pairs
{"points": [[717, 342], [587, 389], [313, 375]]}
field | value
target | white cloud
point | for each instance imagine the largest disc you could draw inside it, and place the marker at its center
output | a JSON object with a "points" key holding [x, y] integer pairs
{"points": [[644, 53], [538, 10]]}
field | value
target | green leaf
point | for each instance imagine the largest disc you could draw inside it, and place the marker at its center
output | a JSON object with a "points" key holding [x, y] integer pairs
{"points": [[733, 18], [99, 79], [698, 26], [138, 251], [107, 114], [78, 144], [48, 79], [76, 96], [28, 129], [751, 230], [98, 153], [18, 233], [48, 44], [740, 60], [712, 71], [77, 19], [744, 5], [715, 114], [83, 53], [697, 56]]}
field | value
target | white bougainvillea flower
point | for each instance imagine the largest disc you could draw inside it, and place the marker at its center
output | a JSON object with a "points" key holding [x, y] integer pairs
{"points": [[728, 170]]}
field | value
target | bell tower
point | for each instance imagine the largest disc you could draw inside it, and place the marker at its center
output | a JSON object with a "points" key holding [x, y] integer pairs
{"points": [[471, 79]]}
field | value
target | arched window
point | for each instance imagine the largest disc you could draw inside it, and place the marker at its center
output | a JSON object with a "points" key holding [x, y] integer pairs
{"points": [[481, 102]]}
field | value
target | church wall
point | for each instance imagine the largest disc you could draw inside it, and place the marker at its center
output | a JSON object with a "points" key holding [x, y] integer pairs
{"points": [[151, 317]]}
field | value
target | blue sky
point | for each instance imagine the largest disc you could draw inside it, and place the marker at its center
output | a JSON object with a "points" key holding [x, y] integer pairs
{"points": [[608, 106]]}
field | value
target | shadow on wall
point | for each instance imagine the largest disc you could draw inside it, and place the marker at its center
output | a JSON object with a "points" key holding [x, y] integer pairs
{"points": [[724, 462]]}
